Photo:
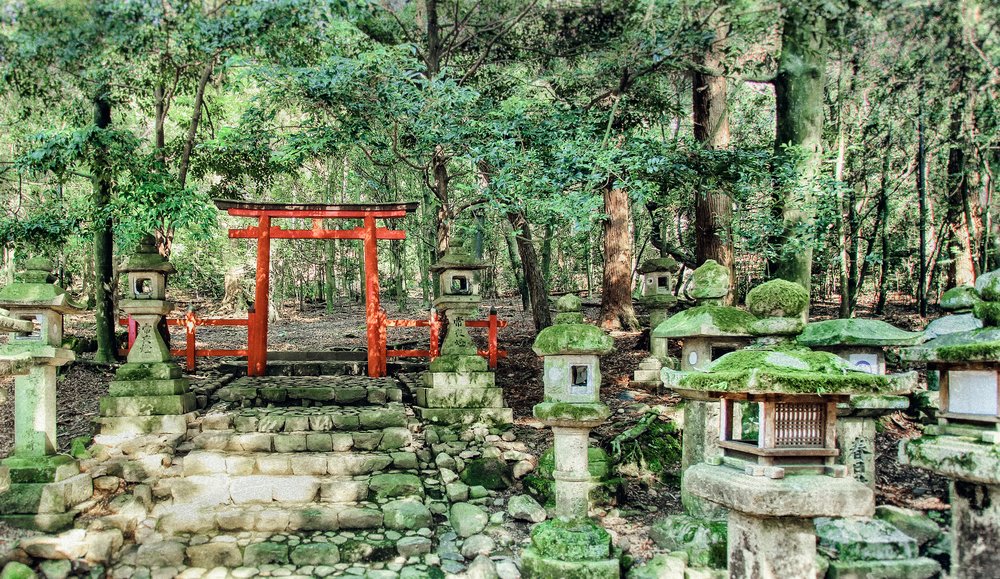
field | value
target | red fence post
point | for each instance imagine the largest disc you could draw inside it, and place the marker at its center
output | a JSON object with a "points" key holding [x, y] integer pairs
{"points": [[435, 334], [492, 338], [190, 325], [132, 330]]}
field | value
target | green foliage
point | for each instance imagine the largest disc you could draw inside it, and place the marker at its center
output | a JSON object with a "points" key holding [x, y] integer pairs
{"points": [[648, 450]]}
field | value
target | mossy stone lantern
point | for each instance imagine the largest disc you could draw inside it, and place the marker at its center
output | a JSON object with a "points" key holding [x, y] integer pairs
{"points": [[571, 545], [44, 485], [656, 288], [148, 395], [776, 482], [965, 444], [458, 299]]}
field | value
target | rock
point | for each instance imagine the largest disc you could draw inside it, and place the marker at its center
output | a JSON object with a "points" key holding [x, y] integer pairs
{"points": [[477, 545], [491, 473], [101, 546], [212, 555], [413, 546], [959, 299], [68, 545], [406, 514], [661, 566], [525, 508], [264, 553], [703, 541], [482, 568], [457, 492], [107, 483], [863, 540], [15, 570], [160, 554], [56, 569], [467, 519], [522, 468], [913, 523], [316, 554], [384, 486], [507, 569]]}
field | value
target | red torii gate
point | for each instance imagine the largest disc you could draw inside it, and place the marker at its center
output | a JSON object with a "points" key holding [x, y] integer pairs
{"points": [[264, 232]]}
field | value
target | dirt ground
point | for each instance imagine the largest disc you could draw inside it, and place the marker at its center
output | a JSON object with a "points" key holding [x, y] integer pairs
{"points": [[519, 374]]}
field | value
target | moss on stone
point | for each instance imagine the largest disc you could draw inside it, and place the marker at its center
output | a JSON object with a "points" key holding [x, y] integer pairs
{"points": [[572, 339], [974, 346], [778, 298], [560, 411], [787, 371], [959, 299], [665, 264], [707, 320], [710, 281], [988, 286], [856, 332], [988, 312], [491, 473], [576, 540]]}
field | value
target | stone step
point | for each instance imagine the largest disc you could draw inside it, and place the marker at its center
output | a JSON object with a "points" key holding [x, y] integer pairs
{"points": [[388, 439], [408, 514], [130, 426], [325, 549], [308, 419], [211, 490], [148, 405], [200, 462], [317, 390]]}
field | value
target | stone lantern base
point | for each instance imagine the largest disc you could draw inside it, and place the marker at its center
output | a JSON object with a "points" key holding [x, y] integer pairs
{"points": [[856, 428], [974, 468], [770, 525], [461, 390], [43, 492], [576, 548], [147, 398]]}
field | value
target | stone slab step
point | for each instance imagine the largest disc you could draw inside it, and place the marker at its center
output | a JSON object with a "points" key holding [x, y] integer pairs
{"points": [[148, 405], [149, 387], [388, 439], [455, 416], [213, 490], [343, 390], [205, 462], [459, 397], [46, 498], [127, 426], [269, 519], [314, 418]]}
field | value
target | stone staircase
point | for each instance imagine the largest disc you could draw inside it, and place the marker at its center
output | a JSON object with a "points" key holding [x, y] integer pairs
{"points": [[314, 471]]}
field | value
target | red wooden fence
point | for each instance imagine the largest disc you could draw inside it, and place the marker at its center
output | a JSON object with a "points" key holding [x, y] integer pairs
{"points": [[492, 352]]}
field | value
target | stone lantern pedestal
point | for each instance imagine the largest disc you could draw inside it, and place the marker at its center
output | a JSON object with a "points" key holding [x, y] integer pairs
{"points": [[571, 545], [149, 394], [656, 292], [965, 444], [459, 388], [44, 486]]}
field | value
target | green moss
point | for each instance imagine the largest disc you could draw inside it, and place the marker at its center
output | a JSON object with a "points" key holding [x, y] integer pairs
{"points": [[976, 345], [490, 473], [570, 411], [778, 298], [572, 339], [709, 281], [857, 332], [569, 303], [667, 264], [707, 320], [959, 299], [988, 312], [576, 540], [988, 286]]}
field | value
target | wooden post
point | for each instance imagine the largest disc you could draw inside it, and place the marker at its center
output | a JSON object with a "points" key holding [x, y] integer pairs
{"points": [[190, 325], [435, 334], [376, 347], [257, 355], [492, 338]]}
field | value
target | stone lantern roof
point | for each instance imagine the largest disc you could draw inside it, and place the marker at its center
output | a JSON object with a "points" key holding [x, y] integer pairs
{"points": [[35, 289], [976, 345], [457, 257], [147, 258], [708, 321], [667, 264], [570, 335], [785, 370], [856, 332]]}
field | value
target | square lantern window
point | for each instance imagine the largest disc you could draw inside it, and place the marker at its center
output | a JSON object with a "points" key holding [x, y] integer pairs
{"points": [[36, 334], [720, 351], [663, 284], [580, 381], [142, 288], [460, 285], [794, 432]]}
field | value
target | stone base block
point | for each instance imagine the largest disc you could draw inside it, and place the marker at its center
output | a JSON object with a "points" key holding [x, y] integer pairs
{"points": [[975, 529], [919, 568], [459, 397], [646, 376], [46, 498], [46, 523], [148, 405], [953, 457], [138, 425], [148, 387], [154, 371], [770, 547], [42, 469], [535, 566], [459, 379], [864, 540], [489, 416], [460, 364], [703, 541]]}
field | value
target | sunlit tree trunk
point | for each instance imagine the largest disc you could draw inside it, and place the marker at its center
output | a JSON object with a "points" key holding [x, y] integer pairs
{"points": [[617, 312]]}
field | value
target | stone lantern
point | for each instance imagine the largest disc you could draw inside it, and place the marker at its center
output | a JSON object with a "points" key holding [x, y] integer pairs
{"points": [[571, 545], [44, 485], [776, 480], [459, 388], [863, 344], [965, 444], [656, 291], [149, 394]]}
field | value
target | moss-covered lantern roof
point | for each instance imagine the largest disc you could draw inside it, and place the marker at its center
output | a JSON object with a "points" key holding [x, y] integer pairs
{"points": [[570, 335], [857, 332], [667, 264], [705, 321], [979, 345], [147, 258], [35, 289], [456, 257], [710, 281], [785, 371]]}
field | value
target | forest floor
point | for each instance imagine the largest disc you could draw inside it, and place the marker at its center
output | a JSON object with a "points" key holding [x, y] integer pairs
{"points": [[643, 498]]}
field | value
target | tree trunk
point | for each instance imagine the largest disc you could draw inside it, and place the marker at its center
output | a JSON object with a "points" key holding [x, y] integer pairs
{"points": [[922, 281], [515, 265], [798, 91], [713, 204], [617, 312], [533, 278], [104, 276]]}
